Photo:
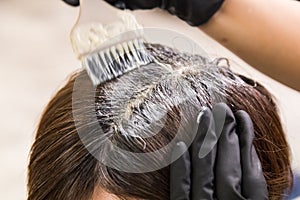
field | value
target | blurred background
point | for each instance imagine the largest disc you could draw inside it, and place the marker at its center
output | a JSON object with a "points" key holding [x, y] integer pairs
{"points": [[36, 58]]}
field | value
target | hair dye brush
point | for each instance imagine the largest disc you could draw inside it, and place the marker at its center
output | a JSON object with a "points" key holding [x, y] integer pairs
{"points": [[109, 42]]}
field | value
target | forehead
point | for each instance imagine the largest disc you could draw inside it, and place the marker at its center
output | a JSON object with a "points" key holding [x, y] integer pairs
{"points": [[100, 194]]}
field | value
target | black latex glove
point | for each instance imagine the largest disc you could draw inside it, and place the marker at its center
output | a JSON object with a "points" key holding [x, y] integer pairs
{"points": [[72, 2], [230, 171], [194, 12]]}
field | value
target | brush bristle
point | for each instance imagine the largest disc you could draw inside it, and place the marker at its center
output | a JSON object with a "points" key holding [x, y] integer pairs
{"points": [[112, 62]]}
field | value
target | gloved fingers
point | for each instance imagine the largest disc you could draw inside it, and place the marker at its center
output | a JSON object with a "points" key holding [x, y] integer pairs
{"points": [[128, 4], [194, 12], [72, 2], [143, 4], [135, 4], [228, 165], [203, 11], [117, 3], [254, 185], [203, 153], [180, 173]]}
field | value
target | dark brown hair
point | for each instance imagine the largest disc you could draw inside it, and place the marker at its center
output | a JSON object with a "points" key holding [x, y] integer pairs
{"points": [[61, 167]]}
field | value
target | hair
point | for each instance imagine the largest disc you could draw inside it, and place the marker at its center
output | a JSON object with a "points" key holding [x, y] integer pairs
{"points": [[61, 166]]}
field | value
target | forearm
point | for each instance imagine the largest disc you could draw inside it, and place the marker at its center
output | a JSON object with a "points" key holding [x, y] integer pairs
{"points": [[265, 33]]}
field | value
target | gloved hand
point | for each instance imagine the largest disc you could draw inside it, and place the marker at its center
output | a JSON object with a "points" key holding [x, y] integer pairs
{"points": [[194, 12], [231, 170]]}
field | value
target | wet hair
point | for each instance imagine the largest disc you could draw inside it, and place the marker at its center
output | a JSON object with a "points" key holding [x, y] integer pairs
{"points": [[62, 167]]}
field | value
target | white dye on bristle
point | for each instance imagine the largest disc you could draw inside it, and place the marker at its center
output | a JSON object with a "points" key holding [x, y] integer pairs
{"points": [[86, 38], [114, 61]]}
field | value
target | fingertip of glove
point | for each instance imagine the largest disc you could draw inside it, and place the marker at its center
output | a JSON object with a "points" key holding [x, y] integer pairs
{"points": [[222, 113], [72, 2], [242, 114], [221, 106], [179, 149], [201, 113], [243, 119]]}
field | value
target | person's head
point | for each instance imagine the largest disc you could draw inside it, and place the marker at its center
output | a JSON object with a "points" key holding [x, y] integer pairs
{"points": [[156, 101]]}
